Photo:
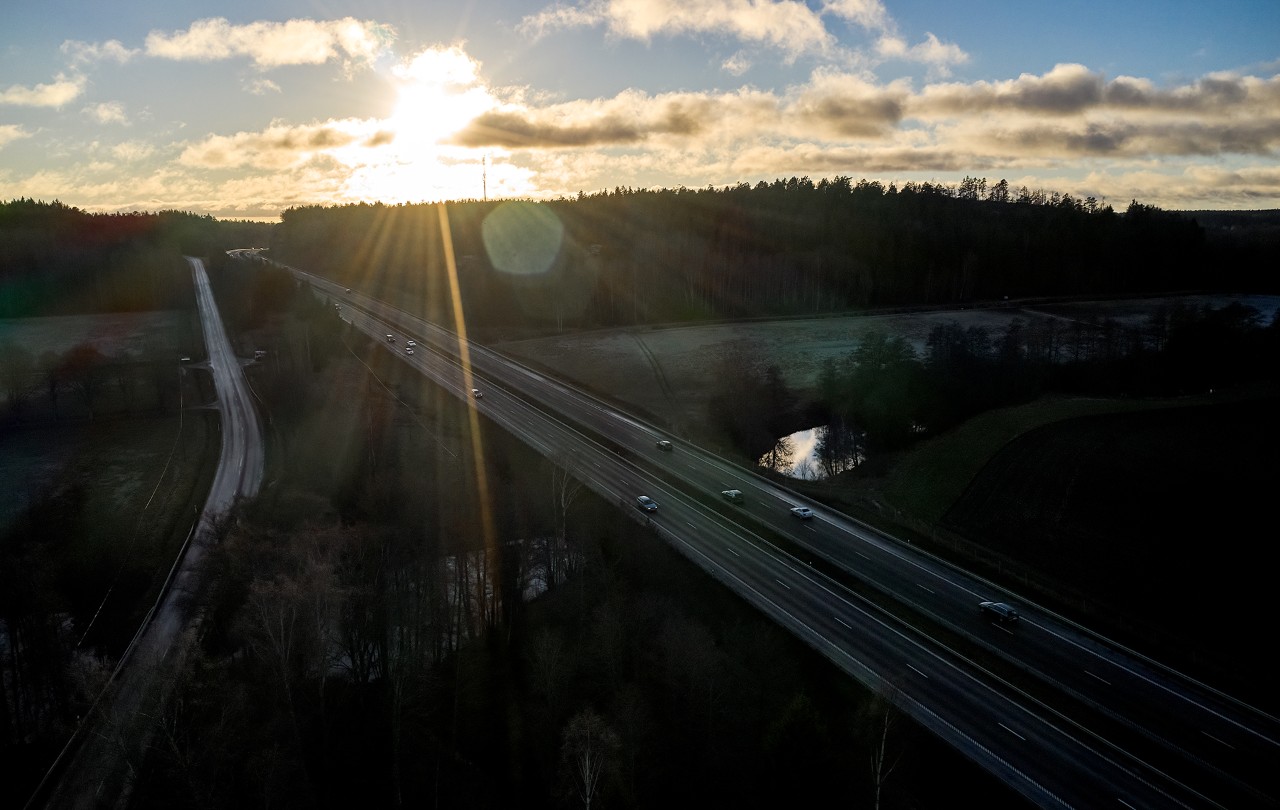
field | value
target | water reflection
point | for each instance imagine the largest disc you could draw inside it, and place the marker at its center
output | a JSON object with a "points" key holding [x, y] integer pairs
{"points": [[817, 453]]}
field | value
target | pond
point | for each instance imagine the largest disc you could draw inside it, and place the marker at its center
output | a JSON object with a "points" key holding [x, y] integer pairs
{"points": [[817, 453]]}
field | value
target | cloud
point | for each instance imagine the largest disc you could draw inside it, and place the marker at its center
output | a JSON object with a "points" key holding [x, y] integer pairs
{"points": [[85, 52], [788, 25], [260, 87], [280, 145], [631, 117], [938, 55], [132, 151], [869, 14], [108, 112], [10, 133], [845, 105], [272, 44], [60, 92], [737, 64]]}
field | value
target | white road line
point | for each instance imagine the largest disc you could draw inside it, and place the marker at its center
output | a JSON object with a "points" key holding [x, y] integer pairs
{"points": [[919, 672], [783, 584], [1126, 804], [863, 556], [846, 624], [734, 553], [923, 588], [1099, 677], [1215, 739], [1011, 731]]}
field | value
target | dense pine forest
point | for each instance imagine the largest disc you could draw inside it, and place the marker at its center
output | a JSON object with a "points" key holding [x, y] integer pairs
{"points": [[791, 247]]}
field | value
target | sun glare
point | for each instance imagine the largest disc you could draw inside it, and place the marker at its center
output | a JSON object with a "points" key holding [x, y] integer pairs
{"points": [[438, 93]]}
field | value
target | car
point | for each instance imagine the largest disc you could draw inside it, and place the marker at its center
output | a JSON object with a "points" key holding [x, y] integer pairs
{"points": [[408, 350], [802, 512], [998, 612], [391, 338], [348, 291], [646, 503], [477, 393], [732, 495], [662, 444], [411, 343]]}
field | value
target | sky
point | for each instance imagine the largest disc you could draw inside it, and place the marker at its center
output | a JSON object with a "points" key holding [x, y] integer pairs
{"points": [[242, 110]]}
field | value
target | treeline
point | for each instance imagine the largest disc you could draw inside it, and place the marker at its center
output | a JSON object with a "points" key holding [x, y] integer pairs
{"points": [[893, 394], [59, 260], [787, 247]]}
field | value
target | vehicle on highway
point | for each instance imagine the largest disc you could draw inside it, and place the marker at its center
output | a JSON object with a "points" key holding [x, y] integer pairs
{"points": [[391, 338], [646, 503], [348, 291], [411, 343], [802, 512], [408, 350], [477, 393], [663, 444], [998, 612], [732, 495]]}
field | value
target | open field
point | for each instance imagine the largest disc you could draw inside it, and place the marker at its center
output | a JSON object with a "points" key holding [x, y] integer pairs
{"points": [[669, 374], [112, 334]]}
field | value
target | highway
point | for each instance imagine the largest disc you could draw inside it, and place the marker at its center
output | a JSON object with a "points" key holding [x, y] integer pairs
{"points": [[1087, 724]]}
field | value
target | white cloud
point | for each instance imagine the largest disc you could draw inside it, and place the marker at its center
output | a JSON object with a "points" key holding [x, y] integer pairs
{"points": [[132, 151], [60, 92], [273, 44], [869, 14], [108, 112], [260, 86], [110, 51], [281, 145], [10, 133], [938, 55], [737, 64], [788, 25]]}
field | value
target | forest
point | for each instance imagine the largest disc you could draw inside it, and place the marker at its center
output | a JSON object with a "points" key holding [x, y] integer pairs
{"points": [[791, 247]]}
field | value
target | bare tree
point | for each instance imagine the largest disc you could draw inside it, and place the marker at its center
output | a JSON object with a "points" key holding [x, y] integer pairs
{"points": [[886, 751], [587, 752], [17, 366], [565, 488]]}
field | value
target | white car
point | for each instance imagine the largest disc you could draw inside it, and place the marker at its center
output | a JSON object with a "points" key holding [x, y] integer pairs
{"points": [[802, 512], [477, 393], [411, 343], [408, 350]]}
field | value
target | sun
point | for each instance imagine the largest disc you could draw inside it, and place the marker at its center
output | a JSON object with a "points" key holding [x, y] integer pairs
{"points": [[438, 93]]}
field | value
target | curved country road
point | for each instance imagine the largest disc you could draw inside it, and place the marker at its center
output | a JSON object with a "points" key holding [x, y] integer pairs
{"points": [[113, 740]]}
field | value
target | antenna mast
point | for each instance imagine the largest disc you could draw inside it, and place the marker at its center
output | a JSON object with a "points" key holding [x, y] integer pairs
{"points": [[484, 176]]}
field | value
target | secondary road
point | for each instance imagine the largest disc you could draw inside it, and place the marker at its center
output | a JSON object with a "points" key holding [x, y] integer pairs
{"points": [[113, 740], [1199, 746]]}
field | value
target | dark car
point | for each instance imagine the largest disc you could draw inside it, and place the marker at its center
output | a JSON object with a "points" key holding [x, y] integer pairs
{"points": [[646, 503], [998, 612], [662, 444]]}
